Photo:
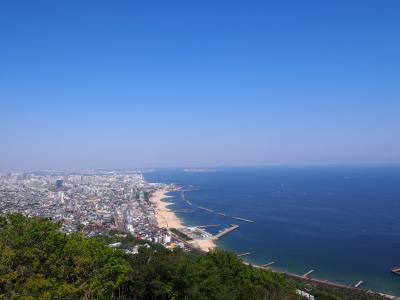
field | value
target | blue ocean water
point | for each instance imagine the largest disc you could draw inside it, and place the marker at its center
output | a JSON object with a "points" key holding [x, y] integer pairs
{"points": [[343, 222]]}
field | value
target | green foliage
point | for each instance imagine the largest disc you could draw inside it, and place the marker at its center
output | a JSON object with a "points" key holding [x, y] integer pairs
{"points": [[38, 261], [164, 274], [127, 240], [323, 291], [332, 293], [180, 234]]}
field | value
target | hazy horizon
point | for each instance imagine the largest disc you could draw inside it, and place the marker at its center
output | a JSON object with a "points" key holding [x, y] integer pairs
{"points": [[103, 85], [206, 168]]}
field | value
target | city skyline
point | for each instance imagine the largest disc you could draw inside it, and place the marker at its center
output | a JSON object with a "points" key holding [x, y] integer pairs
{"points": [[97, 84]]}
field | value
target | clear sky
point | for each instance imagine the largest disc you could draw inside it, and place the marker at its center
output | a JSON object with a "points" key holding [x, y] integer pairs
{"points": [[103, 84]]}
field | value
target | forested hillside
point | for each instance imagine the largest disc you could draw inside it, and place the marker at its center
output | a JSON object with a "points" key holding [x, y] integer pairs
{"points": [[38, 261]]}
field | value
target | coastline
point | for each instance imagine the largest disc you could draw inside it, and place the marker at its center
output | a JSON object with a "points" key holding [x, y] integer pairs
{"points": [[203, 244], [322, 282], [166, 218]]}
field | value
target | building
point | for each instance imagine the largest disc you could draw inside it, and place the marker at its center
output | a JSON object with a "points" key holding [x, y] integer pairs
{"points": [[59, 183]]}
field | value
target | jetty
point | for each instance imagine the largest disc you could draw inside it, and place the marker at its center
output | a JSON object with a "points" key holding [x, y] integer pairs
{"points": [[268, 264], [190, 189], [204, 208], [358, 284], [243, 254], [308, 273], [396, 270], [241, 219], [211, 225], [225, 231], [184, 198]]}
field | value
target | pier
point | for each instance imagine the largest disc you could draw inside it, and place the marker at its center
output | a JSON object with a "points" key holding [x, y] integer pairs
{"points": [[243, 254], [308, 273], [225, 231]]}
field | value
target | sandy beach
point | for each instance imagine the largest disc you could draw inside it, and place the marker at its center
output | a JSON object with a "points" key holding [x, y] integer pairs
{"points": [[164, 216], [204, 244]]}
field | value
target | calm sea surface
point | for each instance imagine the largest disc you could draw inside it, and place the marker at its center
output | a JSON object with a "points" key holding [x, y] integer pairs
{"points": [[343, 222]]}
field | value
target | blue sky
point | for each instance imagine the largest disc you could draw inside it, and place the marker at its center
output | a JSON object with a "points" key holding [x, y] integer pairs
{"points": [[103, 84]]}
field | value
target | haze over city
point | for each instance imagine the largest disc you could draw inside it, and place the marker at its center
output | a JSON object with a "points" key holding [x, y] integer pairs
{"points": [[96, 84]]}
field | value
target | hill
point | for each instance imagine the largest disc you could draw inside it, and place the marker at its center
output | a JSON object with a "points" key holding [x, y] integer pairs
{"points": [[38, 261]]}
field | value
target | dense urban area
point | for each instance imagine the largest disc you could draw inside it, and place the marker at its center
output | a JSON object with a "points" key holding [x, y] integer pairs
{"points": [[93, 203]]}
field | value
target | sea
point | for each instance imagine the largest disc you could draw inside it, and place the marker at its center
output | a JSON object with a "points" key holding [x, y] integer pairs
{"points": [[343, 222]]}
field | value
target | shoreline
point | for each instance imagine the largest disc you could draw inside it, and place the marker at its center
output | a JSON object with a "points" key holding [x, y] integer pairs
{"points": [[317, 281], [204, 244], [166, 218]]}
